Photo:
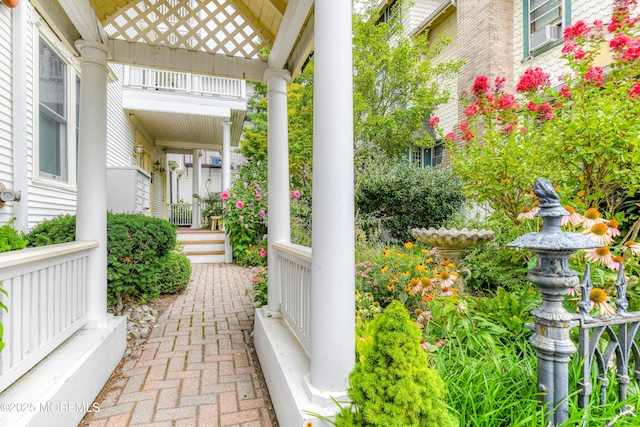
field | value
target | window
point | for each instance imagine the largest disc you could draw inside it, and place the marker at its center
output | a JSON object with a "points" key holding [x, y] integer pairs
{"points": [[391, 13], [544, 21], [424, 157], [52, 154], [58, 97]]}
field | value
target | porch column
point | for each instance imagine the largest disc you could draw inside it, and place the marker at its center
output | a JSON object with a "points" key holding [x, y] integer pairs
{"points": [[195, 203], [91, 218], [333, 261], [20, 105], [226, 156], [278, 155]]}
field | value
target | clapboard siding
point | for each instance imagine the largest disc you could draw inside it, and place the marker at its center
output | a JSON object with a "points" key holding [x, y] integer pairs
{"points": [[6, 175], [121, 134]]}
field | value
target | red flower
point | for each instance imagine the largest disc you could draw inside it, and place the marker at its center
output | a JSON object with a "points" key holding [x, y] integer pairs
{"points": [[450, 137], [619, 42], [565, 92], [594, 74], [579, 29], [480, 85], [507, 101], [471, 110], [508, 128], [532, 106], [545, 111], [468, 135], [464, 126], [499, 83], [533, 79], [434, 121], [568, 47], [635, 91]]}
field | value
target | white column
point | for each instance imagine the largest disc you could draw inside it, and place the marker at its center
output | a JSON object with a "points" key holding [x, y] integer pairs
{"points": [[226, 155], [195, 203], [333, 262], [91, 219], [278, 155], [20, 107]]}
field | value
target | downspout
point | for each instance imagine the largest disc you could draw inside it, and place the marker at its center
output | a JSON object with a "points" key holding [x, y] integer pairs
{"points": [[19, 123]]}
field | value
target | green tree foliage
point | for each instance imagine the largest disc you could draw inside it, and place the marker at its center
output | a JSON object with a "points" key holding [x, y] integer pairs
{"points": [[402, 196], [397, 83], [392, 384]]}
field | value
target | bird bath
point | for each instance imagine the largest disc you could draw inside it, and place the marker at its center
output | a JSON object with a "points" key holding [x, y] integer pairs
{"points": [[453, 245]]}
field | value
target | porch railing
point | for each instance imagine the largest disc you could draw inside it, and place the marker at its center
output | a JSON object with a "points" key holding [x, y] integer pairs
{"points": [[173, 81], [294, 264], [181, 214], [47, 302]]}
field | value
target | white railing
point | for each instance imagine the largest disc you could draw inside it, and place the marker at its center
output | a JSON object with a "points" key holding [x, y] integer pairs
{"points": [[173, 81], [47, 301], [294, 264], [179, 213]]}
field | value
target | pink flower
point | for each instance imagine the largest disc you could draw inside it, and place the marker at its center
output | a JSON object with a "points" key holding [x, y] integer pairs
{"points": [[619, 42], [635, 91], [263, 253], [533, 79], [468, 135], [599, 255], [532, 106], [545, 111], [241, 218], [527, 213], [594, 74], [434, 121], [246, 225], [450, 137], [634, 247], [565, 92], [258, 196], [239, 204], [579, 29], [507, 101], [471, 110], [464, 126], [499, 83], [225, 195], [480, 85], [296, 194], [261, 214]]}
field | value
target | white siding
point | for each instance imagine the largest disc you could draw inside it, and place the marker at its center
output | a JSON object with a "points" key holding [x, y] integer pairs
{"points": [[414, 12], [121, 134], [6, 115], [550, 61], [186, 182]]}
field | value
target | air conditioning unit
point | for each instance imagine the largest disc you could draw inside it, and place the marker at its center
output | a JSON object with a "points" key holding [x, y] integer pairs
{"points": [[544, 37]]}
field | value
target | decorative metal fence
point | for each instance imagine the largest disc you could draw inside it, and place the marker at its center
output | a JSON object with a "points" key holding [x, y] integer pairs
{"points": [[603, 341]]}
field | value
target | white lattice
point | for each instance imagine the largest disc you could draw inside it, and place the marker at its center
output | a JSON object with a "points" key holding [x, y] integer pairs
{"points": [[214, 26]]}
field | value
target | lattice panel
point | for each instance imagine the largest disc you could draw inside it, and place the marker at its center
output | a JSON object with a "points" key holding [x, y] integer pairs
{"points": [[214, 26]]}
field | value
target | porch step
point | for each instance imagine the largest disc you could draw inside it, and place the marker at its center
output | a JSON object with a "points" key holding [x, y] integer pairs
{"points": [[202, 246]]}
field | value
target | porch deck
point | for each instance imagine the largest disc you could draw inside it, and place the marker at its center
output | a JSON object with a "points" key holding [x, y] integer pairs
{"points": [[196, 368]]}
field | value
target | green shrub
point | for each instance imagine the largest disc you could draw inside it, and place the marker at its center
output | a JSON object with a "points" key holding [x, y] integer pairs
{"points": [[137, 247], [392, 384], [176, 273], [10, 238], [404, 196]]}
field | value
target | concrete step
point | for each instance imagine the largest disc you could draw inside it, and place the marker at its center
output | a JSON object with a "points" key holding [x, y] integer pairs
{"points": [[206, 258], [203, 247]]}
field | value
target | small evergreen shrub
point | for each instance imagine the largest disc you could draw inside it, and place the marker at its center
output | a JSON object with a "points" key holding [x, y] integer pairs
{"points": [[392, 384], [137, 246], [10, 238], [176, 273], [402, 196]]}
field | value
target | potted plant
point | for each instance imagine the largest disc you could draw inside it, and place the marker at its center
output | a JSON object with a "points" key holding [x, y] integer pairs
{"points": [[213, 209]]}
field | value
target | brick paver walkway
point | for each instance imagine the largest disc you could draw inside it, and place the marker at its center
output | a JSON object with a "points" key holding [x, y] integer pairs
{"points": [[195, 369]]}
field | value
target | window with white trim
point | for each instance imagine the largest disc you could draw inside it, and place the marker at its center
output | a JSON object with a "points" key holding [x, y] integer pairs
{"points": [[424, 157], [57, 118]]}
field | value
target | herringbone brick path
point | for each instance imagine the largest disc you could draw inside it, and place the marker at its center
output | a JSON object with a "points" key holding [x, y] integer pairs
{"points": [[195, 369]]}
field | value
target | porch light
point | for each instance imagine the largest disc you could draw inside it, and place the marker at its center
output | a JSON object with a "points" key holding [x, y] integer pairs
{"points": [[173, 165], [159, 167], [137, 150]]}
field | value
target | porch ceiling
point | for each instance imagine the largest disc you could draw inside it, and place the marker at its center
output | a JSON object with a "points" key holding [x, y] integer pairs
{"points": [[222, 37], [188, 131]]}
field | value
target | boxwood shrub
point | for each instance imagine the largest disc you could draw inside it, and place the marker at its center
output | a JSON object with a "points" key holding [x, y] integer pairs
{"points": [[138, 247], [176, 273], [402, 196]]}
